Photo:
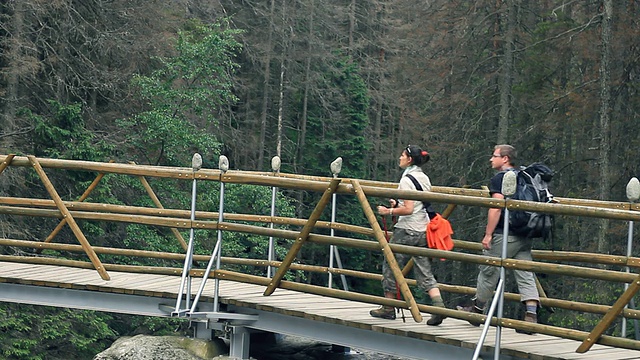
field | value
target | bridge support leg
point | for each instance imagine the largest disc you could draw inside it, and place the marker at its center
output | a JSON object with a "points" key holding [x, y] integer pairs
{"points": [[201, 330], [239, 346]]}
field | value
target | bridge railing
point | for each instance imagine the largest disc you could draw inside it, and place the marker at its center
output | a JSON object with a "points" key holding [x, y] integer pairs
{"points": [[549, 262]]}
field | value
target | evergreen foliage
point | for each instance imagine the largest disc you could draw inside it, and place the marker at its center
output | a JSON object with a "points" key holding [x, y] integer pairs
{"points": [[183, 95], [154, 82]]}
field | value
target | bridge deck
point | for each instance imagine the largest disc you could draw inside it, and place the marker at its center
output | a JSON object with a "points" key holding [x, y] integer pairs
{"points": [[328, 310]]}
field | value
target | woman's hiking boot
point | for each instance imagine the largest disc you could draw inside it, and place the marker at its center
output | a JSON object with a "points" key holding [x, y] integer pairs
{"points": [[384, 312], [436, 319]]}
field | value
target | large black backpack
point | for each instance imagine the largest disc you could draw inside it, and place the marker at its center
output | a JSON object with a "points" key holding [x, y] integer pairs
{"points": [[532, 185]]}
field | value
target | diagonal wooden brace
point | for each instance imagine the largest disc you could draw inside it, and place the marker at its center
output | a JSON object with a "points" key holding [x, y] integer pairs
{"points": [[70, 220], [82, 197], [6, 162], [610, 316], [386, 251], [302, 237], [158, 204]]}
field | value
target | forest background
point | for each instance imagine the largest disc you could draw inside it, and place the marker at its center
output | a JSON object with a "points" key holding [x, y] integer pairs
{"points": [[310, 80]]}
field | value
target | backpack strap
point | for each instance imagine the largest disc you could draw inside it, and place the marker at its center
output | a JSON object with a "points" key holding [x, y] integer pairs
{"points": [[427, 205]]}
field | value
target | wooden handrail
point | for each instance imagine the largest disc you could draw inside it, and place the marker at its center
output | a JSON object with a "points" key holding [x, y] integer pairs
{"points": [[70, 211], [461, 196]]}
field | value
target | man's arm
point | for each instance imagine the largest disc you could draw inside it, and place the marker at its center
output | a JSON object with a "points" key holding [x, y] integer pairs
{"points": [[492, 221]]}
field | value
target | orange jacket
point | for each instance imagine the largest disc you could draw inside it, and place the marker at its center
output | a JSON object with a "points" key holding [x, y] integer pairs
{"points": [[439, 233]]}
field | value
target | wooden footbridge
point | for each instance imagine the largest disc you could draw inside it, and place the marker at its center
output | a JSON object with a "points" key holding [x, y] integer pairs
{"points": [[211, 292]]}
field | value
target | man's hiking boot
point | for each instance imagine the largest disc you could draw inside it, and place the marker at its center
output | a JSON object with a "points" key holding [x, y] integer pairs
{"points": [[384, 312], [436, 319], [530, 318], [472, 309]]}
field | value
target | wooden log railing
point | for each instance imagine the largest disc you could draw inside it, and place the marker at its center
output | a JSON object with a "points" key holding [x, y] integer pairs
{"points": [[549, 262]]}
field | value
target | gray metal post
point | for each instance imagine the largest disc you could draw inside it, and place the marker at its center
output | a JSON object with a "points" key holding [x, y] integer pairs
{"points": [[487, 321], [336, 167], [223, 165], [275, 166], [633, 194], [239, 342], [196, 164], [509, 183]]}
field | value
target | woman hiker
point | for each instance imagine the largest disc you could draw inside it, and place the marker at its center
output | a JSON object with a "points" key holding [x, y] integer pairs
{"points": [[410, 230]]}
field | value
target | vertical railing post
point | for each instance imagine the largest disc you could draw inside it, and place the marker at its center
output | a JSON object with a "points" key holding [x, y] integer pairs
{"points": [[223, 165], [302, 237], [275, 166], [336, 167], [215, 254], [633, 194], [185, 280], [509, 182]]}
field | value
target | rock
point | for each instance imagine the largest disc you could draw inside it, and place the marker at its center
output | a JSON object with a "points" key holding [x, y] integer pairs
{"points": [[144, 347]]}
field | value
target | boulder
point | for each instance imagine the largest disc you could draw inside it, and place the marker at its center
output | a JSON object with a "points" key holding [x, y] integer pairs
{"points": [[144, 347]]}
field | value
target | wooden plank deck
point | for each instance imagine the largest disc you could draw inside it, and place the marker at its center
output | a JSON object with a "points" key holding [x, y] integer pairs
{"points": [[318, 308]]}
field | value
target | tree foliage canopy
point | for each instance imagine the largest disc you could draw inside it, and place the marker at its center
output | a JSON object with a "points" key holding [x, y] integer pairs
{"points": [[155, 81]]}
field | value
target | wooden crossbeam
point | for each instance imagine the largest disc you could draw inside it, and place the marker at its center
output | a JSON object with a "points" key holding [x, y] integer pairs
{"points": [[82, 198], [386, 251], [610, 316], [302, 237], [70, 220]]}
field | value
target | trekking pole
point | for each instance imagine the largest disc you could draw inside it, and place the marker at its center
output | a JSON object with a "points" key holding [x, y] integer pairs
{"points": [[386, 236], [633, 194]]}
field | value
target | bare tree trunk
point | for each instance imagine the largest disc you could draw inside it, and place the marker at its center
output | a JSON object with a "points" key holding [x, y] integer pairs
{"points": [[265, 90], [63, 54], [377, 126], [305, 100], [352, 23], [13, 78], [507, 73], [605, 106], [281, 86]]}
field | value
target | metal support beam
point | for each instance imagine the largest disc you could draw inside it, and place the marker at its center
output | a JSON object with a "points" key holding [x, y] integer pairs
{"points": [[341, 335], [86, 300], [240, 340]]}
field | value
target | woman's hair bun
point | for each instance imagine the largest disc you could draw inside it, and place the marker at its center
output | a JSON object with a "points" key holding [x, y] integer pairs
{"points": [[418, 155]]}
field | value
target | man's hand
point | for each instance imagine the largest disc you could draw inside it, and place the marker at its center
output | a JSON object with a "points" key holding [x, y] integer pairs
{"points": [[486, 242]]}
